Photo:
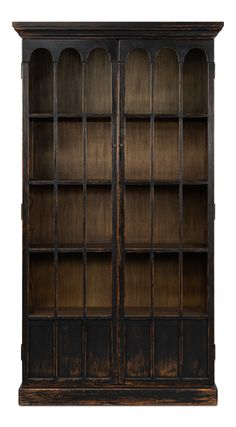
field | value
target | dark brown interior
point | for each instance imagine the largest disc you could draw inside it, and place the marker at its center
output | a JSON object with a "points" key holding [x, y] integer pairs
{"points": [[194, 283], [70, 284], [99, 285], [70, 149], [137, 83], [137, 289], [137, 216], [98, 83], [70, 216], [41, 158], [166, 165], [69, 82], [166, 215], [41, 216], [166, 83], [195, 150], [195, 215], [137, 150], [99, 216], [166, 284], [99, 150], [41, 285], [195, 82], [41, 82]]}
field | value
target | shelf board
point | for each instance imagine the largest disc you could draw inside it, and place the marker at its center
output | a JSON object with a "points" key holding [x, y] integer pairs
{"points": [[69, 182], [72, 312]]}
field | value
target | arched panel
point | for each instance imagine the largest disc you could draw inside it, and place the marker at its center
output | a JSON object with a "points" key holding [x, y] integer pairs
{"points": [[137, 83], [98, 83], [41, 82], [195, 82], [166, 83], [69, 82]]}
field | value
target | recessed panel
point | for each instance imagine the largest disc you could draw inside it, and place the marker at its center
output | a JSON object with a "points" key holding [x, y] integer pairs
{"points": [[70, 216], [70, 348], [195, 348], [99, 285], [166, 215], [41, 82], [99, 150], [137, 216], [98, 94], [137, 289], [98, 348], [137, 82], [195, 282], [137, 150], [166, 83], [41, 149], [99, 215], [41, 285], [41, 354], [166, 150], [70, 284], [69, 79], [137, 353], [166, 284], [166, 348], [70, 149], [195, 150], [195, 77], [195, 215], [41, 216]]}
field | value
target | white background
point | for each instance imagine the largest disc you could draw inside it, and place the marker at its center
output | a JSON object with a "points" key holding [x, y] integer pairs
{"points": [[10, 199]]}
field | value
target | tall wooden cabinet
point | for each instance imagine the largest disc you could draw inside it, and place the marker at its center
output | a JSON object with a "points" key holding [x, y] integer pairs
{"points": [[118, 213]]}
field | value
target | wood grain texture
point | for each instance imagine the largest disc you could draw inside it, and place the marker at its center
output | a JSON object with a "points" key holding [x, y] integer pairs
{"points": [[195, 348], [195, 82], [166, 83], [70, 283], [70, 149], [166, 215], [195, 215], [70, 348], [195, 150], [137, 82], [41, 220], [137, 348], [41, 149], [41, 82], [166, 283], [69, 84], [98, 83], [137, 216], [166, 348], [99, 215], [137, 288], [99, 150], [70, 216], [195, 283], [98, 340], [41, 283], [137, 150], [166, 164], [99, 284]]}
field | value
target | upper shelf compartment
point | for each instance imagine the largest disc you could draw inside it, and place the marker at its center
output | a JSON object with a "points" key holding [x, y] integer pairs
{"points": [[195, 78], [69, 82], [98, 88], [166, 83], [137, 83], [41, 82]]}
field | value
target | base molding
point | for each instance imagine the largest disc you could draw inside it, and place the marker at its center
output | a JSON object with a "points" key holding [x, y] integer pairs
{"points": [[52, 396]]}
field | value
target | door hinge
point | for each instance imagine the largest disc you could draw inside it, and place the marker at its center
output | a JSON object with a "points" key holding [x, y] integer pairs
{"points": [[21, 211]]}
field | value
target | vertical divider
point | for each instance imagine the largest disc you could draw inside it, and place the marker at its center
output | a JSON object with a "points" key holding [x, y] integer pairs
{"points": [[181, 214], [84, 137], [55, 143], [152, 216]]}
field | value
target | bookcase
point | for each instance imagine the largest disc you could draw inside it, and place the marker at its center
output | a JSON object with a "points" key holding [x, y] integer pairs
{"points": [[118, 213]]}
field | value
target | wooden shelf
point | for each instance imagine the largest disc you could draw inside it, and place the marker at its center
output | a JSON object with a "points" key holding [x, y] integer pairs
{"points": [[72, 312]]}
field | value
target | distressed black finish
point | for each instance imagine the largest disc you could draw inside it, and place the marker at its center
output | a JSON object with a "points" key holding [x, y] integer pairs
{"points": [[159, 349]]}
